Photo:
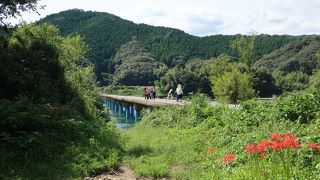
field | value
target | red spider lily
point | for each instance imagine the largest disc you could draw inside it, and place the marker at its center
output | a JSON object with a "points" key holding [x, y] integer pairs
{"points": [[250, 148], [211, 150], [314, 146], [278, 142], [289, 137], [289, 143], [229, 158], [263, 146], [276, 146], [275, 137]]}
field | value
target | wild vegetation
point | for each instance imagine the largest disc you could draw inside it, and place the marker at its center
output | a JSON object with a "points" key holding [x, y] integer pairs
{"points": [[259, 140], [52, 125]]}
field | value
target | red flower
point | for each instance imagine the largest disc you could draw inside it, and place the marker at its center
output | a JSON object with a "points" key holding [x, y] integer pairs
{"points": [[229, 158], [291, 144], [290, 141], [314, 146], [211, 150], [250, 148], [289, 137], [275, 137], [281, 141], [263, 146], [276, 146]]}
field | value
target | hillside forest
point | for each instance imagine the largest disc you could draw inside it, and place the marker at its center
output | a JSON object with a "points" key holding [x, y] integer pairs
{"points": [[125, 53]]}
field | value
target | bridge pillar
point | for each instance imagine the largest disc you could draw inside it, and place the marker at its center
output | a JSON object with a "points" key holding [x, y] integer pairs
{"points": [[127, 114], [136, 113], [114, 106], [131, 110], [120, 109]]}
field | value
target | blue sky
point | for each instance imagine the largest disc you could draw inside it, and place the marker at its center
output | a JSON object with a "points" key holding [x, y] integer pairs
{"points": [[204, 17]]}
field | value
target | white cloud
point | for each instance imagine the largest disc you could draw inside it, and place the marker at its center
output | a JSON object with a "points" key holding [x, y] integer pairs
{"points": [[206, 17]]}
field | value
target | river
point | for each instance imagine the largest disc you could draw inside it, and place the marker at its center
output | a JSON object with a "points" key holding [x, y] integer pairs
{"points": [[124, 114]]}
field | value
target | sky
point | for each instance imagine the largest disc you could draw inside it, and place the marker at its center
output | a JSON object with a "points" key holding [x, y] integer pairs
{"points": [[203, 17]]}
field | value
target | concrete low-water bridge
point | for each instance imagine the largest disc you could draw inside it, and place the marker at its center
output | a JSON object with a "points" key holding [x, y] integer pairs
{"points": [[130, 106], [142, 101], [127, 108]]}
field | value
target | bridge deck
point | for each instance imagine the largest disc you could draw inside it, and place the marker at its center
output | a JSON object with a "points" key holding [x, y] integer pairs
{"points": [[140, 100], [164, 102]]}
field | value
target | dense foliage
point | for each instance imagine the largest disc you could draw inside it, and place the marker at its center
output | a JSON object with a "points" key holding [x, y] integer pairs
{"points": [[199, 141], [105, 33], [233, 87], [292, 64], [51, 123], [134, 65]]}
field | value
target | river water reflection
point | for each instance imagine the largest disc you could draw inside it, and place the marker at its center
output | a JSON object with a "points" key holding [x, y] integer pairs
{"points": [[125, 114]]}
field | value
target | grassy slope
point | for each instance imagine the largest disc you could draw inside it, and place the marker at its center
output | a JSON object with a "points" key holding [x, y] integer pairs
{"points": [[174, 142]]}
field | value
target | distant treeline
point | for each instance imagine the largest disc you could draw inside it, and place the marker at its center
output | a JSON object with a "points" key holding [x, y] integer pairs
{"points": [[116, 61]]}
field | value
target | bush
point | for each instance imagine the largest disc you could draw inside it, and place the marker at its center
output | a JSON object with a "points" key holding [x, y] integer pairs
{"points": [[300, 107]]}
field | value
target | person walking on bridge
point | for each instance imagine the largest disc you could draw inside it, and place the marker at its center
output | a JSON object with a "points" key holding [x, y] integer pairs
{"points": [[154, 92], [145, 90], [179, 92]]}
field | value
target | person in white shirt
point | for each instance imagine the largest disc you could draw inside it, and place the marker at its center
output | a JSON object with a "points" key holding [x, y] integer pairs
{"points": [[179, 92]]}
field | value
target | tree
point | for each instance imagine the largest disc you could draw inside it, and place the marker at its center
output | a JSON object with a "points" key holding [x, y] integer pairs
{"points": [[264, 83], [233, 87], [245, 47], [222, 64], [135, 65], [13, 8]]}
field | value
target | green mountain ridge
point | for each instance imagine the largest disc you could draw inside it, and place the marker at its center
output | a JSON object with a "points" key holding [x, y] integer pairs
{"points": [[104, 34], [298, 55]]}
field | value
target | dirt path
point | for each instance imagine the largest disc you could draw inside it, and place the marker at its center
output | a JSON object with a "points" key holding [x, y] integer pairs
{"points": [[123, 173]]}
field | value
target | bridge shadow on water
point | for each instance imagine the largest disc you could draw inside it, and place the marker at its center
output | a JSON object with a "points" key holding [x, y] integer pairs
{"points": [[124, 113]]}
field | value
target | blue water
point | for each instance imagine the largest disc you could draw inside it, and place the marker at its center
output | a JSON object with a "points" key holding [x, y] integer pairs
{"points": [[125, 115]]}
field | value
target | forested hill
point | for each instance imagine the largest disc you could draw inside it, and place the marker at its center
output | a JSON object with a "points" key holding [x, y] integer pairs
{"points": [[295, 56], [105, 33]]}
